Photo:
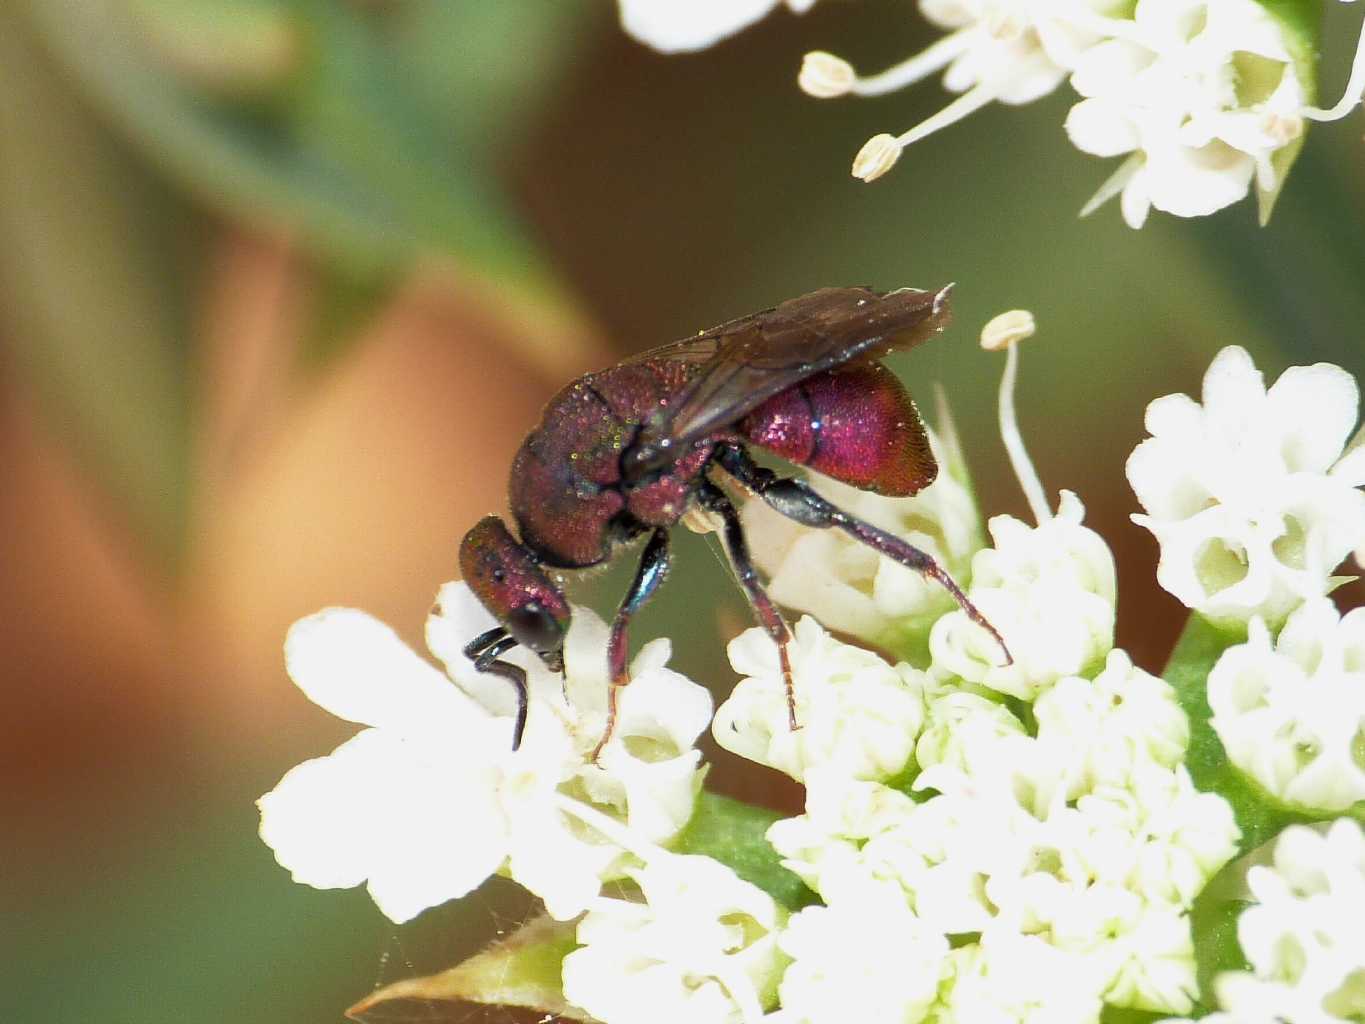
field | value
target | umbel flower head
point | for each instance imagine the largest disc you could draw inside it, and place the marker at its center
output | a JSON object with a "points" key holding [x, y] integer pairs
{"points": [[1203, 99], [1253, 495], [1303, 935], [1291, 713], [430, 799], [1031, 842]]}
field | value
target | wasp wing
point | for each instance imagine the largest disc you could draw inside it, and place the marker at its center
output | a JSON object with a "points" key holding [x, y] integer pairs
{"points": [[747, 361]]}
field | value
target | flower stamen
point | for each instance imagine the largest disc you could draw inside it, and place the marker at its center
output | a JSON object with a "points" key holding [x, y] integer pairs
{"points": [[1004, 331], [916, 68], [609, 828], [880, 153], [1351, 95]]}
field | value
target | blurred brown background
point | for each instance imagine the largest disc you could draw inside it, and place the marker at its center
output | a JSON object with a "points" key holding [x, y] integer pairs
{"points": [[285, 283]]}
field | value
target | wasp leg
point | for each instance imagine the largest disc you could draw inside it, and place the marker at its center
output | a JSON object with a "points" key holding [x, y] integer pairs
{"points": [[737, 548], [797, 501], [653, 570], [484, 650]]}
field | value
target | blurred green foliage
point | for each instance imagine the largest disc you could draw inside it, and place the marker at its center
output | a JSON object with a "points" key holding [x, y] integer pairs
{"points": [[371, 132]]}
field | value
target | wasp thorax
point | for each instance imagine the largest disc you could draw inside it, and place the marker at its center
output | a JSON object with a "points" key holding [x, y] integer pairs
{"points": [[508, 580]]}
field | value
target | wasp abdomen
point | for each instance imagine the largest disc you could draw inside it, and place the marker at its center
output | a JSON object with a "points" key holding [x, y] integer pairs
{"points": [[856, 424]]}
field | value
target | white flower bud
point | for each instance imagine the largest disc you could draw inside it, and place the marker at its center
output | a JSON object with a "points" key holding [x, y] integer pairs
{"points": [[857, 713], [702, 948], [1292, 715], [878, 155], [1304, 936], [431, 799], [1249, 494], [825, 76], [865, 957], [1006, 329]]}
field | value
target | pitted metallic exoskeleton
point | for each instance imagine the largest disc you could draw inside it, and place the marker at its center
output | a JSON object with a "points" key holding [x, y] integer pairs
{"points": [[628, 451]]}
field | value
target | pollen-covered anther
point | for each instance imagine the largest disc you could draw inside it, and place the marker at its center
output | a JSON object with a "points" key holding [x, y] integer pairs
{"points": [[825, 76], [1004, 330], [878, 155], [1281, 128]]}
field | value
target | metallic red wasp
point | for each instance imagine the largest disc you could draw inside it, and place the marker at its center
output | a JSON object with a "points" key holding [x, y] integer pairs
{"points": [[629, 450]]}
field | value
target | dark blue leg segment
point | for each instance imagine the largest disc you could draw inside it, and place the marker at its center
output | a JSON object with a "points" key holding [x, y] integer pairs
{"points": [[796, 500], [653, 570]]}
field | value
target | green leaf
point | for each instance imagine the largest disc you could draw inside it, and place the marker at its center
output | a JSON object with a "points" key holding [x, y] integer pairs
{"points": [[347, 152], [1301, 23], [523, 970], [1259, 816], [341, 305], [734, 833], [490, 67], [1213, 927], [98, 257], [1213, 918], [240, 50]]}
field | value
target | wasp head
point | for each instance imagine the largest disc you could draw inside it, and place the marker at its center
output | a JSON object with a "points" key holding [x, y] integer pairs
{"points": [[508, 580]]}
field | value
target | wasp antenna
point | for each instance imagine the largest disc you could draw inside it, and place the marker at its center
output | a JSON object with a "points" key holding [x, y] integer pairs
{"points": [[941, 296]]}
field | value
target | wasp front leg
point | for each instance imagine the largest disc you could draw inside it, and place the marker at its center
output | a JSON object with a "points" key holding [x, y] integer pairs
{"points": [[654, 565], [798, 501], [737, 549], [485, 650]]}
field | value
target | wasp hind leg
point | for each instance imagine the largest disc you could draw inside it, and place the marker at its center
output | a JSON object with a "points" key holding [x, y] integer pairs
{"points": [[797, 501], [653, 570], [737, 549], [485, 650]]}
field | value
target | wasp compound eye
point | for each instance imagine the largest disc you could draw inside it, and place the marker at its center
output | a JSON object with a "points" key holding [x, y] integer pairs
{"points": [[510, 583]]}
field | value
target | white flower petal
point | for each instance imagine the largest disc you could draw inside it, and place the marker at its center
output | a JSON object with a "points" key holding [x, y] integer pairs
{"points": [[672, 27], [1292, 716], [421, 831], [1136, 201], [1232, 384], [1317, 405], [856, 712], [702, 947], [1108, 69], [866, 957], [311, 820], [456, 618], [357, 668], [1304, 936], [1242, 495], [1098, 127], [1190, 182]]}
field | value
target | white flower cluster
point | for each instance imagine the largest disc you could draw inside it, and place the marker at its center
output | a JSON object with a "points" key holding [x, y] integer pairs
{"points": [[1291, 714], [1049, 589], [679, 26], [1203, 97], [1254, 498], [700, 946], [1304, 934], [430, 799], [1249, 494], [992, 842], [1072, 847]]}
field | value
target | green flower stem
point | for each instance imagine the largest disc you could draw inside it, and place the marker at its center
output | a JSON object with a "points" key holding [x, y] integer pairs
{"points": [[1259, 815], [734, 833]]}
